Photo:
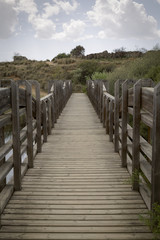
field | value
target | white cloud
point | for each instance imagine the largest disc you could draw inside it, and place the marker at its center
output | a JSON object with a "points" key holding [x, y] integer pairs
{"points": [[27, 6], [50, 10], [123, 19], [66, 6], [8, 18], [73, 30], [158, 1], [44, 27]]}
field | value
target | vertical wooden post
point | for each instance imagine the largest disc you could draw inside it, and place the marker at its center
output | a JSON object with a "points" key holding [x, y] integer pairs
{"points": [[107, 115], [44, 121], [136, 133], [104, 111], [125, 87], [116, 115], [16, 135], [111, 119], [38, 114], [155, 198], [55, 102], [29, 124], [136, 127], [38, 117], [124, 123], [101, 100], [52, 111], [2, 142], [49, 117]]}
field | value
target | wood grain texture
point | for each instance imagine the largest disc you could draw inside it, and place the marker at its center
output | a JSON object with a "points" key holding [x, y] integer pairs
{"points": [[77, 188]]}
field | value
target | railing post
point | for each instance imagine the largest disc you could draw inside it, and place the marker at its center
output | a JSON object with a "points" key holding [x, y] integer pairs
{"points": [[107, 115], [111, 120], [125, 87], [2, 142], [155, 198], [52, 111], [104, 112], [116, 115], [16, 135], [44, 116], [29, 124], [49, 117], [38, 114], [136, 128]]}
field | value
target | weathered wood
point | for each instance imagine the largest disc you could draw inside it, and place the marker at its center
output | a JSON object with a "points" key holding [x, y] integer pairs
{"points": [[45, 132], [16, 136], [124, 123], [52, 111], [107, 115], [111, 120], [147, 98], [5, 195], [4, 99], [104, 112], [4, 170], [137, 96], [116, 114], [2, 161], [156, 148], [38, 115], [49, 116], [29, 124], [136, 133]]}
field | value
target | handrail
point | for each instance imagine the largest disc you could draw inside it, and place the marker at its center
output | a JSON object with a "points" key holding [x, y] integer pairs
{"points": [[140, 102], [31, 120]]}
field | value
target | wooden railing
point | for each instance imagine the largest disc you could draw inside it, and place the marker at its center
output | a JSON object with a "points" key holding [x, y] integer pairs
{"points": [[134, 103], [29, 121]]}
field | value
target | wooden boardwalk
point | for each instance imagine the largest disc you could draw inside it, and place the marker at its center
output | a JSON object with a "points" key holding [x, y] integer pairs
{"points": [[77, 188]]}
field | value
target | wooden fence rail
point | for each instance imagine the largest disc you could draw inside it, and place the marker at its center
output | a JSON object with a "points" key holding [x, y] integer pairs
{"points": [[29, 121], [133, 104]]}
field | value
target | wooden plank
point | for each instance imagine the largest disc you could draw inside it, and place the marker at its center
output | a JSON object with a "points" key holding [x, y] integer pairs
{"points": [[116, 114], [44, 121], [156, 147], [5, 196], [4, 120], [136, 133], [77, 189], [49, 116], [111, 120], [107, 115], [124, 123], [16, 136], [71, 223], [4, 170], [147, 98], [77, 236], [29, 124]]}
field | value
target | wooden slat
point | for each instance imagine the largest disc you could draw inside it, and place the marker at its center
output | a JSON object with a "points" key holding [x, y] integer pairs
{"points": [[77, 188]]}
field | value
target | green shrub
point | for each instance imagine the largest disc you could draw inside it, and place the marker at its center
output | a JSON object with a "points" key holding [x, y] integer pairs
{"points": [[152, 219], [99, 76]]}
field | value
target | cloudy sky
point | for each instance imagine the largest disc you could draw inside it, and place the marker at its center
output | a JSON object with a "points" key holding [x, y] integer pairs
{"points": [[40, 29]]}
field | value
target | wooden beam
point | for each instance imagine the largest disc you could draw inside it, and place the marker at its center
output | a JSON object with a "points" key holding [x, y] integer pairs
{"points": [[16, 135], [155, 198]]}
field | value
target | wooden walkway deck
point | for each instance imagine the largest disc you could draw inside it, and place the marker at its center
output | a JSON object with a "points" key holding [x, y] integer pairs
{"points": [[77, 188]]}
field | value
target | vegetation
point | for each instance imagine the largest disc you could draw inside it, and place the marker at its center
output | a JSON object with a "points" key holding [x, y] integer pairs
{"points": [[78, 51], [78, 67], [152, 220]]}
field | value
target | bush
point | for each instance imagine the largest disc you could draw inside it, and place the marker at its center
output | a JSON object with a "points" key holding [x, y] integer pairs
{"points": [[99, 76]]}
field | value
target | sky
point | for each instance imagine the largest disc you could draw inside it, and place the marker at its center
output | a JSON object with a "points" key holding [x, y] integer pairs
{"points": [[41, 29]]}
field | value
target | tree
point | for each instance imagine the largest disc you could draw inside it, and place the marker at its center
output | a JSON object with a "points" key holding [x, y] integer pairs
{"points": [[61, 55], [78, 51]]}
